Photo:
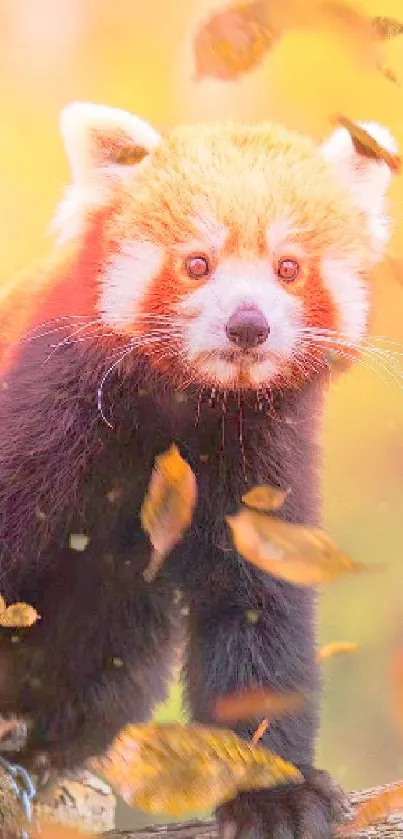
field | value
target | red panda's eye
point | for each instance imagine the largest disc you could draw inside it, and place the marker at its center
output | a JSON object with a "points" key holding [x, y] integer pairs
{"points": [[288, 270], [197, 266]]}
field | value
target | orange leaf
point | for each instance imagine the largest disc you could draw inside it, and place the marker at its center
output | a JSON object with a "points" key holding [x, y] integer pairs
{"points": [[47, 829], [265, 498], [396, 678], [261, 729], [305, 556], [336, 648], [233, 41], [167, 509], [251, 703], [376, 809]]}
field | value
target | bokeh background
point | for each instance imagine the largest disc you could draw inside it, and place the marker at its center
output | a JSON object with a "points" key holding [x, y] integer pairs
{"points": [[138, 55]]}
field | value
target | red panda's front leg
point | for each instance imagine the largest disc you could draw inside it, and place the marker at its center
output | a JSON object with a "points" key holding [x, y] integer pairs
{"points": [[229, 652]]}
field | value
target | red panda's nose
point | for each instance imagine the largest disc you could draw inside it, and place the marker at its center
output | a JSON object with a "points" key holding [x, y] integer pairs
{"points": [[247, 327]]}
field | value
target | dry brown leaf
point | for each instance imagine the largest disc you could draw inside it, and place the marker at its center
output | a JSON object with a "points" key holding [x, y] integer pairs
{"points": [[19, 615], [168, 506], [257, 702], [336, 648], [302, 555], [375, 810], [367, 146], [387, 27], [261, 729], [233, 41], [265, 498], [177, 769]]}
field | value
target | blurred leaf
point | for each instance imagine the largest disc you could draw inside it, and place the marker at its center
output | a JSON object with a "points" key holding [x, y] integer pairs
{"points": [[168, 506], [265, 498], [367, 146], [233, 41], [376, 809], [387, 27], [302, 555], [48, 829], [177, 769], [396, 693], [261, 729], [258, 702], [19, 615], [3, 605], [336, 648]]}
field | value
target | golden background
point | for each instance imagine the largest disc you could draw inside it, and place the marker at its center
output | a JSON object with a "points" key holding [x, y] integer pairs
{"points": [[137, 55]]}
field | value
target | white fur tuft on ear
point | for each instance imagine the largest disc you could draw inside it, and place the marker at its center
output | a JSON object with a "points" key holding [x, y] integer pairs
{"points": [[366, 179], [95, 136]]}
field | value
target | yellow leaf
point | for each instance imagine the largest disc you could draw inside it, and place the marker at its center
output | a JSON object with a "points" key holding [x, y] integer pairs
{"points": [[3, 605], [367, 146], [376, 809], [19, 615], [302, 555], [233, 41], [336, 648], [265, 498], [177, 769], [168, 505], [257, 702]]}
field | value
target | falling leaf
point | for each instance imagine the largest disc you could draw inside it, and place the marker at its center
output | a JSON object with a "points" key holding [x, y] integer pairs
{"points": [[375, 810], [177, 769], [336, 648], [265, 498], [168, 506], [233, 41], [78, 541], [19, 615], [261, 729], [305, 556], [251, 703], [49, 829], [387, 27], [396, 693], [367, 146]]}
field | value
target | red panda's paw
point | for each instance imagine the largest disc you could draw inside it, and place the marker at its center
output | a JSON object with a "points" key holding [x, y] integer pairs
{"points": [[293, 811]]}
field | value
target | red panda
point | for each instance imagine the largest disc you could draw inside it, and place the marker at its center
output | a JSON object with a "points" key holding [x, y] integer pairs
{"points": [[199, 281]]}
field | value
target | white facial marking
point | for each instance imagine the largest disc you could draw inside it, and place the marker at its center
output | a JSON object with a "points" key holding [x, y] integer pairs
{"points": [[350, 294], [280, 235], [239, 281], [366, 179], [127, 280], [210, 229]]}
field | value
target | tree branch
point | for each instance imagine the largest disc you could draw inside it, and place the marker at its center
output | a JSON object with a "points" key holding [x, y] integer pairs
{"points": [[390, 828]]}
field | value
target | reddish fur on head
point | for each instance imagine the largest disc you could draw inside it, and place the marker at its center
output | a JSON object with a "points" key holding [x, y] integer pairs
{"points": [[242, 197]]}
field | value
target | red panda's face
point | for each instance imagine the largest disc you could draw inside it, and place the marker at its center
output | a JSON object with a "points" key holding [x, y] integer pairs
{"points": [[239, 255]]}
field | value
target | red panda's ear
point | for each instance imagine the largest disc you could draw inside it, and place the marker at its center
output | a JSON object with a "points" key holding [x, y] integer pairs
{"points": [[99, 139], [366, 179]]}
